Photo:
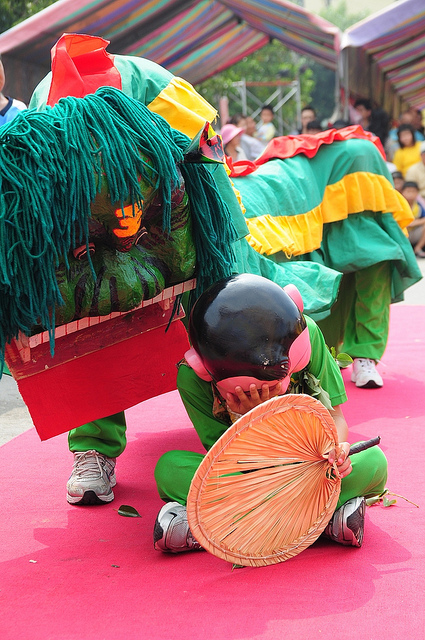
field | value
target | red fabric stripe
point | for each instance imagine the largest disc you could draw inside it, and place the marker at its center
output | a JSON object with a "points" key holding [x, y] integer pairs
{"points": [[288, 146]]}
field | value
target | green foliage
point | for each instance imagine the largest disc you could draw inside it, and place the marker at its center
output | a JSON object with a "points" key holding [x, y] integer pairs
{"points": [[342, 359], [339, 15], [272, 62], [323, 91], [309, 384], [385, 501], [14, 11]]}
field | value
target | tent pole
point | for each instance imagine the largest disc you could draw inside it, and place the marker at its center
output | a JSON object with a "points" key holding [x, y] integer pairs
{"points": [[344, 72]]}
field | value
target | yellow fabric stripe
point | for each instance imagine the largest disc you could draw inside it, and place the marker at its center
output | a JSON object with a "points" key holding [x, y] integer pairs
{"points": [[182, 107], [356, 192]]}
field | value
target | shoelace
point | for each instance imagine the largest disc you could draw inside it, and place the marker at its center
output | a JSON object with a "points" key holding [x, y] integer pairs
{"points": [[367, 364], [89, 463]]}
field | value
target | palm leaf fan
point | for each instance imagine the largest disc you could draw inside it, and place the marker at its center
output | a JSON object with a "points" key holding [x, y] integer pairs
{"points": [[266, 491]]}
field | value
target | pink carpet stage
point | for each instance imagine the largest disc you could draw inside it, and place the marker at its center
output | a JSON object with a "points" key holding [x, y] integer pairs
{"points": [[87, 573]]}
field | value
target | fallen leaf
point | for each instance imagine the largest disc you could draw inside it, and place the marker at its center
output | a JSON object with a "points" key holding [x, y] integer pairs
{"points": [[129, 512], [387, 502]]}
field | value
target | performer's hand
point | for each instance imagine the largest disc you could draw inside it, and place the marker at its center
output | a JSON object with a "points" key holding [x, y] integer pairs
{"points": [[340, 455], [241, 402]]}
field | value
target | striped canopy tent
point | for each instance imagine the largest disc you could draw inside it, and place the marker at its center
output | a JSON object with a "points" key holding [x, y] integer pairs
{"points": [[194, 39], [383, 57]]}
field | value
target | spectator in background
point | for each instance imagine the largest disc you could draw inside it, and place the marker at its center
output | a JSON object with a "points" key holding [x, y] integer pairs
{"points": [[308, 114], [340, 124], [406, 117], [416, 173], [409, 152], [380, 125], [376, 121], [313, 127], [417, 122], [9, 107], [251, 147], [266, 130], [398, 180], [364, 111], [239, 120], [231, 135], [416, 229]]}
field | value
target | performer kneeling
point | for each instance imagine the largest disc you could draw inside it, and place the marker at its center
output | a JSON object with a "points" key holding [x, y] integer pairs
{"points": [[251, 342]]}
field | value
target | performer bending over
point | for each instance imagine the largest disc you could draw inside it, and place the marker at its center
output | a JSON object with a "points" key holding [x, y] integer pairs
{"points": [[251, 342]]}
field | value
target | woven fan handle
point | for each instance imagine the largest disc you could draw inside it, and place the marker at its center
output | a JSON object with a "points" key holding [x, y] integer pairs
{"points": [[366, 444]]}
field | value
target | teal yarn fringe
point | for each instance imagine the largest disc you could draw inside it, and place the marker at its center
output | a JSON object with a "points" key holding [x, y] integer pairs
{"points": [[50, 168]]}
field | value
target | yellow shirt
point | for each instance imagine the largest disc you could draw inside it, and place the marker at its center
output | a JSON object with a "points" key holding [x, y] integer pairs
{"points": [[407, 156]]}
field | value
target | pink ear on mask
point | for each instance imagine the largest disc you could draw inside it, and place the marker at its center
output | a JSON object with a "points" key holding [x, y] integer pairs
{"points": [[300, 352], [195, 362], [295, 295]]}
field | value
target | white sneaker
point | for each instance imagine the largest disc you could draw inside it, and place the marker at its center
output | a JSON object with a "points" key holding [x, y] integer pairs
{"points": [[92, 478], [171, 531], [365, 375]]}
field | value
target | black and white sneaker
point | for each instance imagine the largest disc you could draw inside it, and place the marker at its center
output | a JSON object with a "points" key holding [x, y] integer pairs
{"points": [[347, 523], [171, 531]]}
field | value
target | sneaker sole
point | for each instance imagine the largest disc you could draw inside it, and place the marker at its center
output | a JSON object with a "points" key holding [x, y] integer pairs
{"points": [[90, 498], [369, 385]]}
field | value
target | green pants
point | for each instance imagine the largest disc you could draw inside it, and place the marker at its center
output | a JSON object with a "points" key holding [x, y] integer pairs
{"points": [[359, 320], [175, 469], [106, 435]]}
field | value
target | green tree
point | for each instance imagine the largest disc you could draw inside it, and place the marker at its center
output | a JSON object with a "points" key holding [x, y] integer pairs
{"points": [[323, 92], [14, 11], [340, 15], [271, 63]]}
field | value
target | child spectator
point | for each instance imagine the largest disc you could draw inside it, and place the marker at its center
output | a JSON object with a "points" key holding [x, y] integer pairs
{"points": [[416, 173], [416, 229], [409, 152], [266, 129], [398, 180]]}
